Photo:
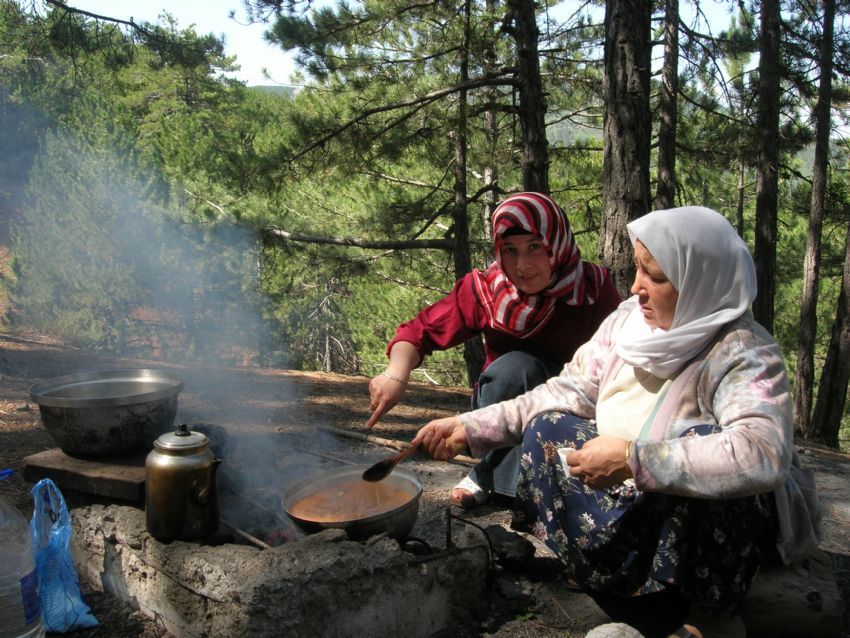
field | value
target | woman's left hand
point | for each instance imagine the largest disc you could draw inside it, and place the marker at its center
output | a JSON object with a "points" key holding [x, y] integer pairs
{"points": [[601, 462]]}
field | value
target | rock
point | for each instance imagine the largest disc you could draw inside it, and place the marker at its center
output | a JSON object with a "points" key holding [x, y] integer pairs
{"points": [[513, 551], [614, 630], [802, 600], [512, 591]]}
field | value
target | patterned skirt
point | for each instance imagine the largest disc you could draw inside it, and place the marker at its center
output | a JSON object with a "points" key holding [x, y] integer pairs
{"points": [[622, 542]]}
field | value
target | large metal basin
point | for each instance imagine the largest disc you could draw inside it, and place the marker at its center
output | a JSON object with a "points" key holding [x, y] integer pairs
{"points": [[396, 522], [108, 412]]}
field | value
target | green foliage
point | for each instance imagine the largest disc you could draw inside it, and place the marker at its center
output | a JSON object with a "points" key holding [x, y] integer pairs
{"points": [[101, 263], [107, 134], [379, 304], [151, 179], [74, 256]]}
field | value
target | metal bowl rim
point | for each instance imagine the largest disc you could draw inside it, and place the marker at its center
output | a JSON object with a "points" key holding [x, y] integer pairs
{"points": [[40, 391]]}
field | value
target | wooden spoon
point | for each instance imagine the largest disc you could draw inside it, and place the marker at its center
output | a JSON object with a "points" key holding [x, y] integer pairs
{"points": [[381, 470]]}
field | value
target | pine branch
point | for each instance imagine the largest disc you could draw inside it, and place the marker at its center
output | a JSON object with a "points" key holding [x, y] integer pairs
{"points": [[96, 16], [416, 102], [278, 234]]}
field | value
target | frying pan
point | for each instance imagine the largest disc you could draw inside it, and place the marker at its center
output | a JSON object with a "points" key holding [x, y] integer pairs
{"points": [[397, 522]]}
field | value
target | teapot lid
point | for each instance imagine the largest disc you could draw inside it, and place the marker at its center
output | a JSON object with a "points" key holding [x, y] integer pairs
{"points": [[181, 439]]}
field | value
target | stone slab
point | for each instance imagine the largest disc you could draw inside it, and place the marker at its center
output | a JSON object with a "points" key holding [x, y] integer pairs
{"points": [[120, 479]]}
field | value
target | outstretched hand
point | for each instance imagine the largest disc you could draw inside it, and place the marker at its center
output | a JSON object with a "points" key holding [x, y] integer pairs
{"points": [[443, 439], [384, 394], [601, 462]]}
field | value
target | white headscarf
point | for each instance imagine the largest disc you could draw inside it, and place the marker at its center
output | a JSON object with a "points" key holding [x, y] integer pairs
{"points": [[713, 271]]}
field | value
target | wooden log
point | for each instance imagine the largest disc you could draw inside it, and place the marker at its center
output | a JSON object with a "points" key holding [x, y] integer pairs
{"points": [[799, 600], [252, 539], [391, 443]]}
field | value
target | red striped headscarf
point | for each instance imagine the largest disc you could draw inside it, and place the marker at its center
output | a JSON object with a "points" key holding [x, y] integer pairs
{"points": [[578, 283]]}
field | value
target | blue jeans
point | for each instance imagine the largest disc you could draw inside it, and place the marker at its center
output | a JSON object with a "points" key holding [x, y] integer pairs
{"points": [[507, 377]]}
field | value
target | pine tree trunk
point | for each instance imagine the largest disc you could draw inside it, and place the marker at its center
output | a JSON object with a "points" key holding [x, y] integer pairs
{"points": [[627, 132], [532, 99], [768, 161], [665, 195], [804, 380], [491, 134], [832, 389], [473, 350], [739, 201]]}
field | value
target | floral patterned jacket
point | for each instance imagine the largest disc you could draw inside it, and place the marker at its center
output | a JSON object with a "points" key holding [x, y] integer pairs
{"points": [[738, 382]]}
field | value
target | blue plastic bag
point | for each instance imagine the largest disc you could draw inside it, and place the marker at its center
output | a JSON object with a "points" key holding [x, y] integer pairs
{"points": [[62, 607]]}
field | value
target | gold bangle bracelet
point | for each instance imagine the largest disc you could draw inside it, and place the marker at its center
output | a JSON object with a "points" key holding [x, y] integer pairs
{"points": [[628, 451], [394, 378]]}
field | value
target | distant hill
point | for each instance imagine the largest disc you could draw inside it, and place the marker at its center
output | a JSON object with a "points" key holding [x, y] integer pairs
{"points": [[567, 134], [288, 91]]}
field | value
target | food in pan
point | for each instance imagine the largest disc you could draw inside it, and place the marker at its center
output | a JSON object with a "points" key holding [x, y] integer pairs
{"points": [[350, 500]]}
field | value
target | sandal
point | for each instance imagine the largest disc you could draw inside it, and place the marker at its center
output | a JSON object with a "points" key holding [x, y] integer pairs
{"points": [[467, 494]]}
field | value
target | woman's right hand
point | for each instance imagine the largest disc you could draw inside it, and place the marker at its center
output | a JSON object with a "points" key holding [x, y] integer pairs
{"points": [[444, 439], [386, 389], [384, 394]]}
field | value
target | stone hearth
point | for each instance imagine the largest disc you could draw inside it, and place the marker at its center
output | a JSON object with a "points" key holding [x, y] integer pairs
{"points": [[323, 585]]}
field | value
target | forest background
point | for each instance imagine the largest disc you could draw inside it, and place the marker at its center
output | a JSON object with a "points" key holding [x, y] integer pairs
{"points": [[153, 207]]}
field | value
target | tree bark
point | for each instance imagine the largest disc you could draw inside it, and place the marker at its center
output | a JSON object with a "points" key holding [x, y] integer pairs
{"points": [[666, 192], [473, 349], [739, 199], [768, 162], [532, 99], [832, 389], [627, 132], [491, 134], [804, 379]]}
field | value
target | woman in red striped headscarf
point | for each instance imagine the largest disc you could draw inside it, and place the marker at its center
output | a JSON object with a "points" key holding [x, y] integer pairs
{"points": [[534, 305]]}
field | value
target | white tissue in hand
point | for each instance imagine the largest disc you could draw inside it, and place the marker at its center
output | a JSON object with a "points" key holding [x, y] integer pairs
{"points": [[564, 452]]}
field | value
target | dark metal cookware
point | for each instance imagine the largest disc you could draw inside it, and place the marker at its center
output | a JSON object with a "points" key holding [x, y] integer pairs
{"points": [[181, 501], [397, 522], [108, 412]]}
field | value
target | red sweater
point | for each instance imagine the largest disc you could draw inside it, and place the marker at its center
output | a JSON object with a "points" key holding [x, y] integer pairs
{"points": [[458, 316]]}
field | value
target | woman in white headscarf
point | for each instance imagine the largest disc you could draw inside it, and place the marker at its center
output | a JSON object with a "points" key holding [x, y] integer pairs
{"points": [[659, 466]]}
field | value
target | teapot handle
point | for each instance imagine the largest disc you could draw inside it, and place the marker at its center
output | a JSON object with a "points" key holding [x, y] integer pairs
{"points": [[207, 494]]}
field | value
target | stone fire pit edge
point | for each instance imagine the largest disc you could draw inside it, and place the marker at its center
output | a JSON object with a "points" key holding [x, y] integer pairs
{"points": [[323, 585]]}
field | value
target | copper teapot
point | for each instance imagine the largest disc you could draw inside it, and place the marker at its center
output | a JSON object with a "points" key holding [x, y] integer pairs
{"points": [[181, 502]]}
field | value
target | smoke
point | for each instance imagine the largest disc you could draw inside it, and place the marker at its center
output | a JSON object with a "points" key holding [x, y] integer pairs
{"points": [[262, 425], [111, 257]]}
